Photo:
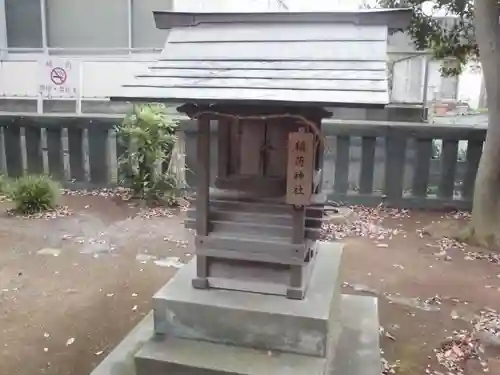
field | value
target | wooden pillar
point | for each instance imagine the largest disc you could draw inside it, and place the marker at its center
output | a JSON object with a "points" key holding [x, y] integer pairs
{"points": [[319, 160], [223, 129], [296, 290], [202, 197]]}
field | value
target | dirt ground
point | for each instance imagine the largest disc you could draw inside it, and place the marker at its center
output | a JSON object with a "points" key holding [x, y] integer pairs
{"points": [[61, 312]]}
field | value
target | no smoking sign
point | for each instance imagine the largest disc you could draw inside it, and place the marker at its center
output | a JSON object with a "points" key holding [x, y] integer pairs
{"points": [[58, 76]]}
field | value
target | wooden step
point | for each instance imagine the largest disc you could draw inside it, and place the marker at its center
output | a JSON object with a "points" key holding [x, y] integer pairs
{"points": [[259, 206], [261, 247], [255, 217], [252, 228]]}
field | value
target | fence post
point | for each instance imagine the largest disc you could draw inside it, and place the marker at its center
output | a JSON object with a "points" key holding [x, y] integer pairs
{"points": [[24, 152], [448, 167], [65, 154], [395, 160], [85, 155], [3, 154], [112, 158], [367, 171], [44, 150], [422, 167], [341, 178]]}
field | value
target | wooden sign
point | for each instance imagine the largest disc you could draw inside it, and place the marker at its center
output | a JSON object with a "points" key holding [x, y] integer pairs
{"points": [[299, 177]]}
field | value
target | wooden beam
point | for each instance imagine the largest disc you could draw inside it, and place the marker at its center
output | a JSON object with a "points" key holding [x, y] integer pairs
{"points": [[223, 148], [203, 176], [202, 198]]}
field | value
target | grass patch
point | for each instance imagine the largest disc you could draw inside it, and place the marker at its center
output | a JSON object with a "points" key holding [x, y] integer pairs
{"points": [[33, 194]]}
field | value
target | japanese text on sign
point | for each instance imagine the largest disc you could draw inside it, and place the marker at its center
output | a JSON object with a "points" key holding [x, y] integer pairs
{"points": [[300, 168], [59, 78]]}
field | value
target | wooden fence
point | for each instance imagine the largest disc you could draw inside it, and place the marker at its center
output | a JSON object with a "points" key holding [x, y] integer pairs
{"points": [[366, 162]]}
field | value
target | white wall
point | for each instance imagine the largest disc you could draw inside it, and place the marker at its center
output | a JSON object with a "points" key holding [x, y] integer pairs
{"points": [[103, 76], [100, 78], [408, 80], [469, 87], [408, 83]]}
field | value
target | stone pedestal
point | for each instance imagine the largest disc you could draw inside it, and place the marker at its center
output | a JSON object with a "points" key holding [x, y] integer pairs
{"points": [[205, 332]]}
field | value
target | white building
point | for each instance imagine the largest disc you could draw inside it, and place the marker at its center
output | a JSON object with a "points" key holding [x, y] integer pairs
{"points": [[413, 71], [104, 40]]}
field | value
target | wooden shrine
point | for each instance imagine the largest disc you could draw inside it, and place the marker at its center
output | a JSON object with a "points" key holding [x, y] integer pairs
{"points": [[262, 83], [263, 295], [257, 230]]}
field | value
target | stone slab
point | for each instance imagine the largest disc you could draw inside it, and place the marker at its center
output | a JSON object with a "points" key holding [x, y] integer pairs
{"points": [[175, 356], [358, 352], [255, 320], [121, 360]]}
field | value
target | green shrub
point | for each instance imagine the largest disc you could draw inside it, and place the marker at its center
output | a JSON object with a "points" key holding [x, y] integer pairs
{"points": [[32, 194], [4, 184], [148, 136]]}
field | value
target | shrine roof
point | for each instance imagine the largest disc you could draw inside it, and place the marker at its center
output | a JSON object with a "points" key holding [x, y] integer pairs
{"points": [[325, 58]]}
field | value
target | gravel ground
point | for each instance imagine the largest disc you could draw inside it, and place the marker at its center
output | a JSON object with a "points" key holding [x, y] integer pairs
{"points": [[73, 283]]}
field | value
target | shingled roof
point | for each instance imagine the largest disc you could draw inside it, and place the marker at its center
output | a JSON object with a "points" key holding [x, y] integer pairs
{"points": [[322, 58]]}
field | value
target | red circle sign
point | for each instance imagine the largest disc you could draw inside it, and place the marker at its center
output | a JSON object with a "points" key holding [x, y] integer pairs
{"points": [[58, 76]]}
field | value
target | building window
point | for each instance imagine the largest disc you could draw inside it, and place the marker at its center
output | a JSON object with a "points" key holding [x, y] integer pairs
{"points": [[144, 31], [81, 26], [24, 23], [87, 23]]}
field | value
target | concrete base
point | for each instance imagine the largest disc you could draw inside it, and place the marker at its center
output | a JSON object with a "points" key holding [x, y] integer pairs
{"points": [[254, 320], [215, 332], [357, 353], [121, 360]]}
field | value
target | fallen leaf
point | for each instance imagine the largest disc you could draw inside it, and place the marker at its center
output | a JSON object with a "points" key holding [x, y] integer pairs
{"points": [[173, 262], [49, 251], [389, 336], [144, 258]]}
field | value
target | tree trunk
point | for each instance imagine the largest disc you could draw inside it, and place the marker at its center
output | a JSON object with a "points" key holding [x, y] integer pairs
{"points": [[485, 222], [482, 93]]}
